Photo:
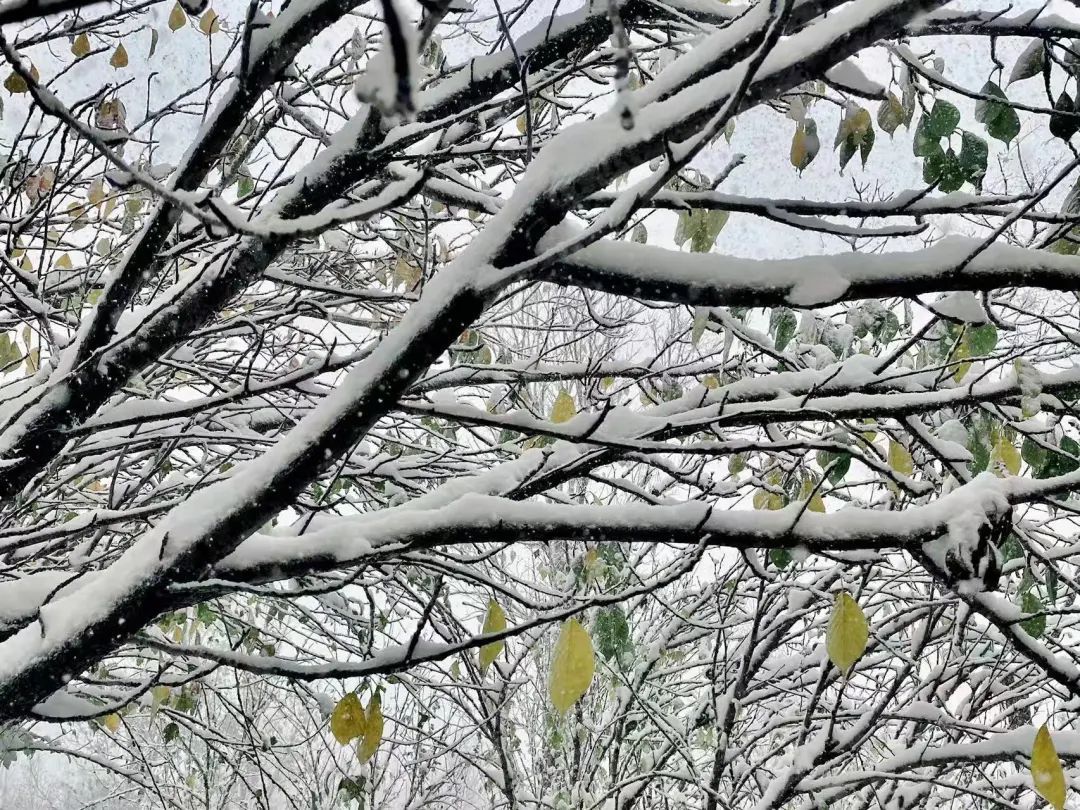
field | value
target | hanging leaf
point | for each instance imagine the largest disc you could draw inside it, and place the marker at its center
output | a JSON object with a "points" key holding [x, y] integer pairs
{"points": [[81, 46], [1030, 63], [1046, 772], [612, 632], [845, 640], [373, 730], [780, 557], [1034, 626], [16, 84], [1001, 120], [900, 459], [177, 18], [111, 722], [951, 177], [981, 339], [119, 59], [1063, 121], [563, 409], [209, 23], [348, 721], [973, 157], [701, 320], [572, 666], [153, 41], [805, 144], [1006, 453], [942, 119], [783, 324], [494, 622], [924, 143], [890, 114]]}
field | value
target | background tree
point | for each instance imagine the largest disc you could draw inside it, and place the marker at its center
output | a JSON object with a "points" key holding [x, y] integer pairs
{"points": [[517, 406]]}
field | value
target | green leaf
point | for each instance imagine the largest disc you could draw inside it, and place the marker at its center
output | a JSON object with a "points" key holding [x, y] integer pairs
{"points": [[1001, 120], [942, 119], [1052, 583], [1011, 548], [1058, 464], [1063, 121], [933, 165], [701, 320], [973, 156], [783, 324], [780, 557], [1036, 625], [982, 339], [1030, 62], [841, 463], [1033, 453], [925, 143], [611, 633], [952, 174]]}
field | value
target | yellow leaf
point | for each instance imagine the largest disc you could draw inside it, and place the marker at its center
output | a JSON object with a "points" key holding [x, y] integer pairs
{"points": [[209, 23], [1006, 453], [372, 731], [96, 192], [81, 46], [563, 409], [119, 59], [112, 723], [1046, 771], [161, 694], [522, 124], [816, 503], [64, 262], [900, 459], [494, 622], [347, 722], [407, 273], [572, 666], [710, 382], [845, 640], [177, 18], [15, 83]]}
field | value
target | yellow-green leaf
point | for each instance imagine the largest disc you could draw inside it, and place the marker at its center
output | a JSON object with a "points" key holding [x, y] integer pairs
{"points": [[1046, 771], [209, 23], [348, 721], [494, 622], [112, 723], [563, 409], [900, 459], [64, 262], [1006, 453], [119, 59], [81, 46], [373, 730], [845, 640], [177, 17], [572, 666]]}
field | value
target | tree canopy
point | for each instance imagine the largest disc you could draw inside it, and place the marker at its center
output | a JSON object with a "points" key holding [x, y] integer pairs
{"points": [[641, 404]]}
